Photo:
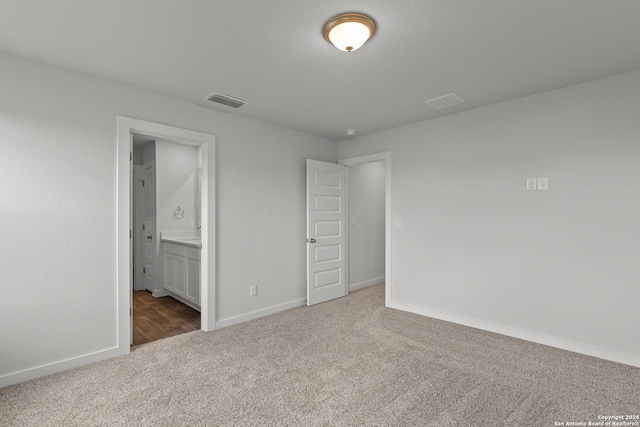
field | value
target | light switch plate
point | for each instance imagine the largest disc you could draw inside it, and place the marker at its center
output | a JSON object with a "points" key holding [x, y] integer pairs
{"points": [[543, 183], [531, 184]]}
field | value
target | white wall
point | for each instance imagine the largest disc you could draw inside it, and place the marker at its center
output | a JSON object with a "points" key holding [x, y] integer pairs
{"points": [[366, 224], [58, 209], [137, 155], [176, 174], [557, 266], [148, 153]]}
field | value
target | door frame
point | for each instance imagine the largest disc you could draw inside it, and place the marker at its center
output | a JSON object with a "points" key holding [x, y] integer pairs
{"points": [[126, 126], [370, 158]]}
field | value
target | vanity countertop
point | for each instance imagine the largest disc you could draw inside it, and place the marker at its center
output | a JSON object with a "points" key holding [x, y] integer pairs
{"points": [[193, 241]]}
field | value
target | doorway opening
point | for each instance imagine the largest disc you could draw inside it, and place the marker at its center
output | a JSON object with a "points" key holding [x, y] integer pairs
{"points": [[204, 270], [166, 173], [369, 187], [328, 260], [365, 224]]}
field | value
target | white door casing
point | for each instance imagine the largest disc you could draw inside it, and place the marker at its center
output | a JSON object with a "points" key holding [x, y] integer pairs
{"points": [[206, 144], [149, 214], [386, 158], [326, 231], [131, 243]]}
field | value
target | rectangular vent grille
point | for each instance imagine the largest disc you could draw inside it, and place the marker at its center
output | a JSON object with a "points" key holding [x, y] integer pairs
{"points": [[445, 101], [226, 100]]}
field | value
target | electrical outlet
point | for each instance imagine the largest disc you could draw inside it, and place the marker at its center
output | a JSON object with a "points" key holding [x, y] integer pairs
{"points": [[543, 183], [253, 290], [191, 223], [531, 184]]}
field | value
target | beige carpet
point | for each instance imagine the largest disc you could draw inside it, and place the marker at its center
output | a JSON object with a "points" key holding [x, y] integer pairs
{"points": [[349, 362]]}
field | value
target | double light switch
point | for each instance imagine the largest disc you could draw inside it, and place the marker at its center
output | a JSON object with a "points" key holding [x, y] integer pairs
{"points": [[541, 183]]}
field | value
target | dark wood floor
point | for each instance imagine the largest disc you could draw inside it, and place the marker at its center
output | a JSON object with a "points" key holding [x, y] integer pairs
{"points": [[156, 318]]}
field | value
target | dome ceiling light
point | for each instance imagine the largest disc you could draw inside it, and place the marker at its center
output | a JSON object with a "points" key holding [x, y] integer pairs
{"points": [[349, 31]]}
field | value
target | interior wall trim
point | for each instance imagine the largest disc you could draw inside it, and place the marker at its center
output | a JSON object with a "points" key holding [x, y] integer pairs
{"points": [[55, 367], [229, 321], [601, 353], [384, 156], [360, 285]]}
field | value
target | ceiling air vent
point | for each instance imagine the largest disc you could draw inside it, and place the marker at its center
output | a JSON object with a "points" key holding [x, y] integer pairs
{"points": [[226, 100], [445, 101]]}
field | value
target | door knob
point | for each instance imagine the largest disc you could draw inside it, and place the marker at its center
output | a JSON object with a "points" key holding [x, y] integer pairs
{"points": [[312, 240], [149, 236]]}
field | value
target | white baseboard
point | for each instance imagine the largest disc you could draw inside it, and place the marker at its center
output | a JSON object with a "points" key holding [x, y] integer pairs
{"points": [[55, 367], [601, 353], [259, 313], [356, 286], [160, 293]]}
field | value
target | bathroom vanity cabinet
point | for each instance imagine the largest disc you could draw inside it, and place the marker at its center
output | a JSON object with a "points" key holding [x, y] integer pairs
{"points": [[182, 272]]}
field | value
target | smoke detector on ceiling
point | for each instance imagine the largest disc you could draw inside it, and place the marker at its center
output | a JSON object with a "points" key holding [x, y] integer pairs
{"points": [[225, 100], [445, 101]]}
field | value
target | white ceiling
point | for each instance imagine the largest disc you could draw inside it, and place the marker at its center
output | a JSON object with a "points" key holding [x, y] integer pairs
{"points": [[272, 54]]}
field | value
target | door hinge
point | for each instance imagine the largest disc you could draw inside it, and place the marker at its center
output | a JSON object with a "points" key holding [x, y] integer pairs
{"points": [[130, 156], [144, 270], [143, 182], [130, 233], [142, 227], [130, 311]]}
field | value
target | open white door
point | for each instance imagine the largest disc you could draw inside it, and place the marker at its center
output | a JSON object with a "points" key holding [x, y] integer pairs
{"points": [[138, 232], [131, 246], [149, 226], [326, 231]]}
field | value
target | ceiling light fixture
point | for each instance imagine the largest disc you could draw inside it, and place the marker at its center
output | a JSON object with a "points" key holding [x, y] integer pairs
{"points": [[349, 31]]}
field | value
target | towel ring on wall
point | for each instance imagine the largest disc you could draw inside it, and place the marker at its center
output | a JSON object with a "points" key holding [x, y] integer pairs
{"points": [[178, 213]]}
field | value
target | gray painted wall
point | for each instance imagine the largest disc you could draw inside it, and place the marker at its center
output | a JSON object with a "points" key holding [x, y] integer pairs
{"points": [[58, 209], [559, 265], [475, 245]]}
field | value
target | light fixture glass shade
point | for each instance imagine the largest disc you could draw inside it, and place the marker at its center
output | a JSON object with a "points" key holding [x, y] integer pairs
{"points": [[349, 36], [349, 31]]}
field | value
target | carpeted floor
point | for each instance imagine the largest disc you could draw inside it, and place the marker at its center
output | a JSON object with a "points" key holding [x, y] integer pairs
{"points": [[348, 362]]}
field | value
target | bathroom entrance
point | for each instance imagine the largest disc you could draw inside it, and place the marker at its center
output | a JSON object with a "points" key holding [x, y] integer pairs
{"points": [[185, 159], [166, 184]]}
